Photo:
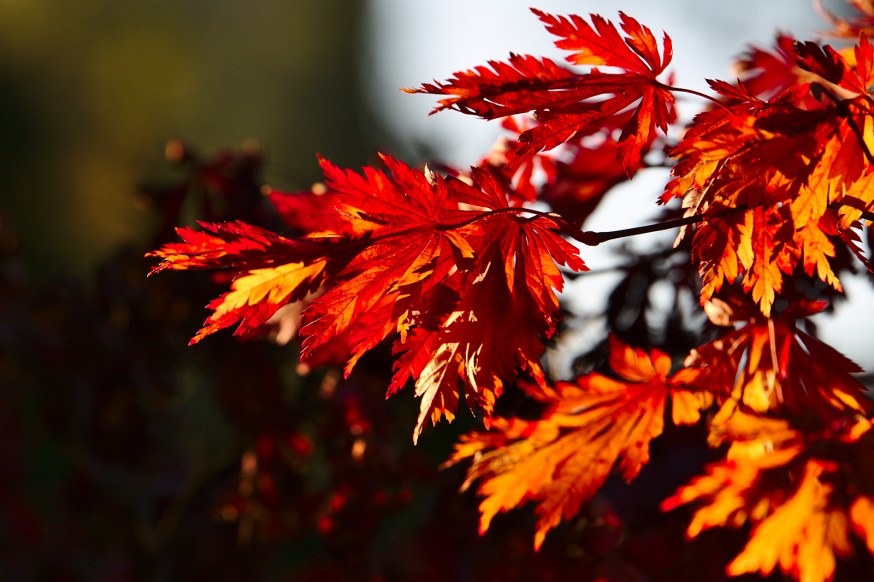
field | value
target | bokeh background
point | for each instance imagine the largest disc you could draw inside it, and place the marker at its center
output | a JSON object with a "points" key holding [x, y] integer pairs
{"points": [[92, 90], [125, 455]]}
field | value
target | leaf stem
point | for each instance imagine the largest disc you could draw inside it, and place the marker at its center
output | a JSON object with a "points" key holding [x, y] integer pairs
{"points": [[710, 98], [481, 215], [658, 226]]}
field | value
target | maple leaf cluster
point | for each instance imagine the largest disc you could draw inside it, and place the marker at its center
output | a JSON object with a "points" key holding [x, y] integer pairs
{"points": [[770, 185]]}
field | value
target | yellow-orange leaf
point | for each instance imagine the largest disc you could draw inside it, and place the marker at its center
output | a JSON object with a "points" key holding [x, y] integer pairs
{"points": [[256, 296], [686, 407], [802, 536], [785, 163], [772, 365], [862, 518], [764, 278], [591, 427], [802, 490], [817, 249]]}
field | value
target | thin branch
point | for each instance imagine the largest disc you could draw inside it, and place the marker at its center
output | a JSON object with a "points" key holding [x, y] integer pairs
{"points": [[710, 98], [866, 214], [587, 236], [656, 227], [841, 106]]}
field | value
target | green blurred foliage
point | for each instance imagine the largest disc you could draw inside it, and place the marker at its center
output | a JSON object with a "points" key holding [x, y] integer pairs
{"points": [[91, 90]]}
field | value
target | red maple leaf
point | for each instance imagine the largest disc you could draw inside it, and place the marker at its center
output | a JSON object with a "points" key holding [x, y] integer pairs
{"points": [[565, 102], [464, 278], [406, 252]]}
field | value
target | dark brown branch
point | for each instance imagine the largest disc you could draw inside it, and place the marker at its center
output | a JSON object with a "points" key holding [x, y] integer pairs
{"points": [[696, 93], [593, 238], [867, 215], [666, 225]]}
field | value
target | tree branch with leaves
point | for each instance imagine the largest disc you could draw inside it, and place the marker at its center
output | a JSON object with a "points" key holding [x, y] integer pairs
{"points": [[770, 186]]}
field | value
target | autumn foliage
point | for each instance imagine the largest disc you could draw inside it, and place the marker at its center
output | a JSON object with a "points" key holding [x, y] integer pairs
{"points": [[771, 191]]}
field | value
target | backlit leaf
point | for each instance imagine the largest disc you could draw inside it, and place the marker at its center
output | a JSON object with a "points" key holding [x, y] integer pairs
{"points": [[591, 427], [565, 102]]}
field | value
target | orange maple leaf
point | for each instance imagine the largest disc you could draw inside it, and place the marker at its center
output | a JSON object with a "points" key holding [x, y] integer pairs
{"points": [[771, 364], [786, 163], [774, 234], [805, 491], [803, 535], [591, 426], [770, 256]]}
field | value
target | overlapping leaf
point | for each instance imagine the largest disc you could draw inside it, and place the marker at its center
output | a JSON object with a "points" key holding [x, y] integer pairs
{"points": [[590, 427], [235, 245], [309, 212], [770, 364], [407, 254], [762, 246], [579, 185], [805, 493], [572, 180], [766, 74], [271, 270], [785, 164], [506, 306]]}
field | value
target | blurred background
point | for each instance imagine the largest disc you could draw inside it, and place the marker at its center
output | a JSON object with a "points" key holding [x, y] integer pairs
{"points": [[92, 90], [127, 456]]}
